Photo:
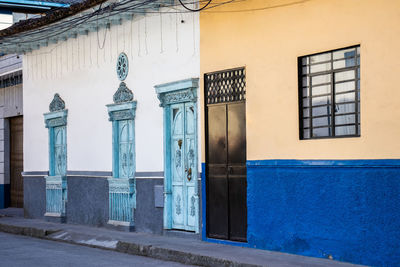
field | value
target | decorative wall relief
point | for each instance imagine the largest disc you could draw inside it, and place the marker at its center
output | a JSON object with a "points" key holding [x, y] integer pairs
{"points": [[57, 103], [192, 207], [178, 205], [123, 94], [178, 158], [122, 66], [177, 97], [56, 182]]}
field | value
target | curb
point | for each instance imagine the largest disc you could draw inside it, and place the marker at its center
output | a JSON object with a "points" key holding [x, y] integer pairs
{"points": [[130, 248], [27, 231]]}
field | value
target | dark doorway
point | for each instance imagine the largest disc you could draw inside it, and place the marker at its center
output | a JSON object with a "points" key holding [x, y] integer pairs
{"points": [[16, 162], [225, 93]]}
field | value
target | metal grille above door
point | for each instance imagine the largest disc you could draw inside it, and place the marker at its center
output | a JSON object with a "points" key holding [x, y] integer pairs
{"points": [[225, 86], [226, 154]]}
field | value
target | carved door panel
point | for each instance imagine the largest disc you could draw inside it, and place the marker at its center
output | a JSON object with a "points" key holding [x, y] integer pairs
{"points": [[60, 151], [16, 162], [184, 167], [126, 153]]}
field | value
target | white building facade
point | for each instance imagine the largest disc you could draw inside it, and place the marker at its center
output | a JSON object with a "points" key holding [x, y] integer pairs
{"points": [[162, 50]]}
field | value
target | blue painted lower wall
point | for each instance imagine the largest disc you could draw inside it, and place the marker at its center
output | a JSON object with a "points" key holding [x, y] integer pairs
{"points": [[4, 196], [347, 209]]}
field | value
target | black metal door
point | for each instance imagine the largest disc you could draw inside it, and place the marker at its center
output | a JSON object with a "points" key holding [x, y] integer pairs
{"points": [[226, 155]]}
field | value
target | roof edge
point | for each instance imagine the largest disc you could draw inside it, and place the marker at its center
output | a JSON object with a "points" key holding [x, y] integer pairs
{"points": [[50, 17]]}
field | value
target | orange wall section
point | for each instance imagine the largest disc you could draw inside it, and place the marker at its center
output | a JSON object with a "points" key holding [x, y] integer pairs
{"points": [[267, 37]]}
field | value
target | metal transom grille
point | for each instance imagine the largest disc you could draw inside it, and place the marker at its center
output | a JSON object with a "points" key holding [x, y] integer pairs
{"points": [[225, 86], [329, 91]]}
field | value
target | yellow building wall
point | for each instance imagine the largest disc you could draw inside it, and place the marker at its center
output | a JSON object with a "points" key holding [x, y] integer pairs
{"points": [[268, 36]]}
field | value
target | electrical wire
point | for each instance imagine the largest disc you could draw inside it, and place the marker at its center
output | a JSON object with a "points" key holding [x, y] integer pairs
{"points": [[111, 10], [194, 10]]}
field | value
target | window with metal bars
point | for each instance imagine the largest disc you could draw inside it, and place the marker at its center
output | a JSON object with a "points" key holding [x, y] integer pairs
{"points": [[329, 92]]}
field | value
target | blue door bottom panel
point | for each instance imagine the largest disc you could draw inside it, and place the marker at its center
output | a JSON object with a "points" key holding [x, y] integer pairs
{"points": [[4, 196], [345, 209]]}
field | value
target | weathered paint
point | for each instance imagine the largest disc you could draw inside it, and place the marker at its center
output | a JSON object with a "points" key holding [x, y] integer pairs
{"points": [[56, 182], [267, 37], [93, 191], [56, 195], [347, 210]]}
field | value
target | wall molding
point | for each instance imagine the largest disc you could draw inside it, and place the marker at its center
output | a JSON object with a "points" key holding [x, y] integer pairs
{"points": [[105, 174], [358, 163], [177, 92]]}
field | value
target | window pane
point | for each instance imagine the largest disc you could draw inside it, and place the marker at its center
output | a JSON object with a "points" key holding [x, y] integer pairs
{"points": [[321, 90], [321, 111], [324, 121], [347, 119], [345, 130], [315, 80], [306, 92], [320, 132], [344, 108], [304, 60], [306, 133], [320, 67], [306, 102], [350, 62], [345, 97], [306, 112], [346, 86], [344, 75], [320, 58], [306, 123], [306, 81], [344, 53], [321, 100]]}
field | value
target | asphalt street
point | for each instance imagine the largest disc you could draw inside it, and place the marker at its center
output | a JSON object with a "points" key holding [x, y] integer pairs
{"points": [[26, 251]]}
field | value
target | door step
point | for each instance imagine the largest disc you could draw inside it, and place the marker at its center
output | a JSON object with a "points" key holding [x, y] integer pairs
{"points": [[181, 234]]}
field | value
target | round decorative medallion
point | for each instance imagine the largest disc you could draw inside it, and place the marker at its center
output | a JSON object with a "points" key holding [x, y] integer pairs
{"points": [[122, 66]]}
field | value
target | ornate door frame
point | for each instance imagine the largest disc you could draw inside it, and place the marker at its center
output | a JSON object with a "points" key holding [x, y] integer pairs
{"points": [[56, 181], [184, 91], [122, 186]]}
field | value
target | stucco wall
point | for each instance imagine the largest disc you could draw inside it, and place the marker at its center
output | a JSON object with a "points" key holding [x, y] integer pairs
{"points": [[85, 77], [267, 37], [333, 198], [346, 210]]}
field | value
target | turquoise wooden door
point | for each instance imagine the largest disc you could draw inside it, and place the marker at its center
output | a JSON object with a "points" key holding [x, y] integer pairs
{"points": [[126, 152], [60, 151], [184, 167]]}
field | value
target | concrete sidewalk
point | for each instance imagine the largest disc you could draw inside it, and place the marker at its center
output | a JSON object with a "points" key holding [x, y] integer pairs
{"points": [[183, 250]]}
